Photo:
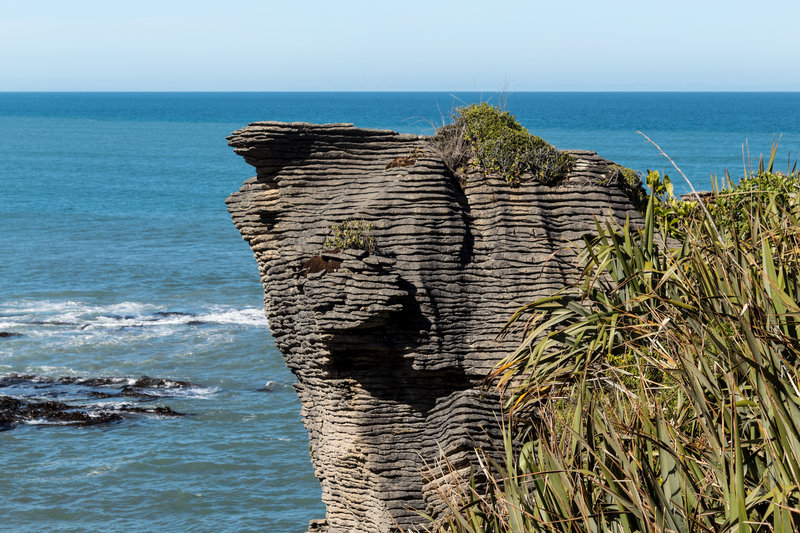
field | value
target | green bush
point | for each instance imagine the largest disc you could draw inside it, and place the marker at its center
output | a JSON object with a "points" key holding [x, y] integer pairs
{"points": [[733, 208], [352, 234], [497, 144]]}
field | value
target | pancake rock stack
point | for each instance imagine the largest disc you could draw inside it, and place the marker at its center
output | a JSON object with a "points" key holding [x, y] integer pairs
{"points": [[391, 348]]}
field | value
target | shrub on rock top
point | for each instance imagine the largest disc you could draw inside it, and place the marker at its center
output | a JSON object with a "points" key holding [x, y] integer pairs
{"points": [[492, 140]]}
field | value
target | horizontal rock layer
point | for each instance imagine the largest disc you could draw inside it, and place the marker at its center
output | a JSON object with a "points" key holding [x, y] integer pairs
{"points": [[391, 349]]}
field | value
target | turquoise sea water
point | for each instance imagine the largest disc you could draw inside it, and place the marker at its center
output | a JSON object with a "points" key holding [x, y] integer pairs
{"points": [[119, 259]]}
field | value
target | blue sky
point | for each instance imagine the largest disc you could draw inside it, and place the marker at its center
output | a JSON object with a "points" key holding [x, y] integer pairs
{"points": [[247, 45]]}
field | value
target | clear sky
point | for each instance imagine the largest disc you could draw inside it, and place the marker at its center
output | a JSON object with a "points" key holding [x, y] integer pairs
{"points": [[384, 45]]}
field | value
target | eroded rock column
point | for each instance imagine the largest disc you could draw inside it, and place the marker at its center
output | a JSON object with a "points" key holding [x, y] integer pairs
{"points": [[390, 349]]}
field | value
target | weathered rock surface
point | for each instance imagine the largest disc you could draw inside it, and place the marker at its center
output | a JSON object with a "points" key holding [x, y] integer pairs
{"points": [[391, 349]]}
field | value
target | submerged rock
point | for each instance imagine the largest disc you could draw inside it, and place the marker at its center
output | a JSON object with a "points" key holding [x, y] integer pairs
{"points": [[161, 383], [15, 411], [22, 401], [391, 349]]}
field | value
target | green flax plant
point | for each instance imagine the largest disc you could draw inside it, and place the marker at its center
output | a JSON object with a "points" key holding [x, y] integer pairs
{"points": [[662, 391]]}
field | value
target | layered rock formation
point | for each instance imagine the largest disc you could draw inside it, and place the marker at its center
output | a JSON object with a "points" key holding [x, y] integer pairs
{"points": [[391, 349]]}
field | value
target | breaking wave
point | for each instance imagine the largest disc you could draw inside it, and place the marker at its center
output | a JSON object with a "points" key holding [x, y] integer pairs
{"points": [[31, 315]]}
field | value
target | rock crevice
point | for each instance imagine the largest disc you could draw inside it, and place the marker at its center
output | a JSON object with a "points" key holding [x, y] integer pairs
{"points": [[391, 349]]}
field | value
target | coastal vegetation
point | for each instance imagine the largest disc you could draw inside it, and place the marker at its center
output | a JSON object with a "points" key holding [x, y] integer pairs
{"points": [[491, 140], [661, 392], [631, 184], [351, 234]]}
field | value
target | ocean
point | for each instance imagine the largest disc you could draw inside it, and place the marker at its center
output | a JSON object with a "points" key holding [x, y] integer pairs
{"points": [[118, 260]]}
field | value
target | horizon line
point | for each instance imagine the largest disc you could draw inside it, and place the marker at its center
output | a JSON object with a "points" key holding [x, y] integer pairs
{"points": [[359, 91]]}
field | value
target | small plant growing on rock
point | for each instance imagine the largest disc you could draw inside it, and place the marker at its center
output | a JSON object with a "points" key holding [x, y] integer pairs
{"points": [[631, 184], [492, 140], [352, 234]]}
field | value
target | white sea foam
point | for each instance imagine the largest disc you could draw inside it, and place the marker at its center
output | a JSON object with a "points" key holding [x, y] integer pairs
{"points": [[66, 309], [195, 393], [43, 317], [9, 324], [112, 405], [51, 371], [44, 422], [250, 316], [108, 468]]}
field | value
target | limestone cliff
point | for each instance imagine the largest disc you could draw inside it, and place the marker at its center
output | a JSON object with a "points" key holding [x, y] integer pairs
{"points": [[390, 349]]}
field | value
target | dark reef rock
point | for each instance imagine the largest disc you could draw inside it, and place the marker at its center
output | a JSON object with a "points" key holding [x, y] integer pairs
{"points": [[76, 399], [391, 350], [16, 411]]}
